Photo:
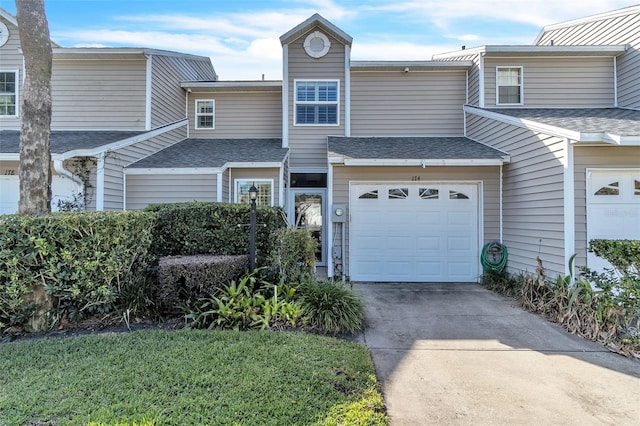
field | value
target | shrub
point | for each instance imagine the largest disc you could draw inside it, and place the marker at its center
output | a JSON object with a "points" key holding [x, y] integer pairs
{"points": [[72, 265], [331, 307], [247, 304], [212, 228], [182, 280], [293, 255]]}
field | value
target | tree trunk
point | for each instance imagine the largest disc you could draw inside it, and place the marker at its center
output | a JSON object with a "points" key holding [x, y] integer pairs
{"points": [[35, 156]]}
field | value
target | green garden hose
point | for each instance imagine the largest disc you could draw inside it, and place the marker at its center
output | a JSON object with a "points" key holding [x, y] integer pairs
{"points": [[494, 257]]}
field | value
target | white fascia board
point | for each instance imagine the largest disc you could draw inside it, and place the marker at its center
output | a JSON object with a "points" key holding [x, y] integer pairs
{"points": [[252, 165], [336, 159], [459, 53], [124, 142], [173, 171], [9, 17], [11, 157], [423, 162]]}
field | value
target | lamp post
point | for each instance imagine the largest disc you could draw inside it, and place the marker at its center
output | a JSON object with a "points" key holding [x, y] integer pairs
{"points": [[253, 194]]}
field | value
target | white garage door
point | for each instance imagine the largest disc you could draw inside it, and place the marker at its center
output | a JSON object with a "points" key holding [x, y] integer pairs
{"points": [[414, 232], [62, 188], [613, 208]]}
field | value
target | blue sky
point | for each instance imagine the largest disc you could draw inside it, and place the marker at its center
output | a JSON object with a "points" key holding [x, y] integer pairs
{"points": [[241, 36]]}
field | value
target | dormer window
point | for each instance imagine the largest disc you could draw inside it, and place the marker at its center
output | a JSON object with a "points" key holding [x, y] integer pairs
{"points": [[8, 93], [316, 102], [509, 88]]}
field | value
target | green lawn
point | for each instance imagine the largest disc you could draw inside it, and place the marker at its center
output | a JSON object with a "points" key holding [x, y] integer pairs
{"points": [[188, 377]]}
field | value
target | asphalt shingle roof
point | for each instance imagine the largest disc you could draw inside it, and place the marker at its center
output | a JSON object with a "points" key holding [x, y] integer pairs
{"points": [[616, 121], [436, 148], [214, 153], [64, 141]]}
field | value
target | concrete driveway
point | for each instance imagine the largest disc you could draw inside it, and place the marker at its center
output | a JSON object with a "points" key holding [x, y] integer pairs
{"points": [[461, 354]]}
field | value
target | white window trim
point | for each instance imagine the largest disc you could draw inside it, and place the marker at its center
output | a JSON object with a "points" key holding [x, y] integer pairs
{"points": [[498, 68], [296, 103], [197, 114], [17, 82], [236, 188]]}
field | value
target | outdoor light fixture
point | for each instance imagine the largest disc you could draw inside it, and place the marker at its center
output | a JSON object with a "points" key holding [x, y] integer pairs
{"points": [[253, 194]]}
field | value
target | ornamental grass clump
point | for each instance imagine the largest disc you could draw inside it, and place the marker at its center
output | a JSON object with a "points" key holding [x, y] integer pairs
{"points": [[331, 307]]}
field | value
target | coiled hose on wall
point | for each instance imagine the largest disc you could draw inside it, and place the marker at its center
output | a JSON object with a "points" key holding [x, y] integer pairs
{"points": [[494, 257]]}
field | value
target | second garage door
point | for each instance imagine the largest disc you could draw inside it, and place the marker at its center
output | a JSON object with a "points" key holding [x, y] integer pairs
{"points": [[414, 232]]}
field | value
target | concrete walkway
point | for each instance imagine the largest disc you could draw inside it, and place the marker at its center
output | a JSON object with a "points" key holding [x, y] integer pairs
{"points": [[460, 354]]}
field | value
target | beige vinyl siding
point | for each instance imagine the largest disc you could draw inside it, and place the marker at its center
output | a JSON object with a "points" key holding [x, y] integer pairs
{"points": [[605, 157], [474, 76], [309, 143], [410, 104], [143, 190], [533, 193], [623, 29], [253, 173], [11, 60], [557, 82], [489, 192], [115, 161], [98, 94], [240, 115], [167, 97]]}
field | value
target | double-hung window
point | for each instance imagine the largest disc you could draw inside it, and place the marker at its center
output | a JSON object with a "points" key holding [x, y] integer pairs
{"points": [[509, 88], [316, 102], [264, 187], [8, 93], [205, 113]]}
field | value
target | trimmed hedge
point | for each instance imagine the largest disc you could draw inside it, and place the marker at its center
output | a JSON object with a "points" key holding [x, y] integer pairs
{"points": [[212, 228], [70, 265], [183, 280]]}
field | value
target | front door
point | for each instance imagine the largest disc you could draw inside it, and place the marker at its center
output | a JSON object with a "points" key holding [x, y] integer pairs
{"points": [[308, 213]]}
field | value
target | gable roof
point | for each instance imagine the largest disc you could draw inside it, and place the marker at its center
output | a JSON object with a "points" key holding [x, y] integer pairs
{"points": [[608, 125], [315, 21], [65, 141], [420, 151], [216, 153]]}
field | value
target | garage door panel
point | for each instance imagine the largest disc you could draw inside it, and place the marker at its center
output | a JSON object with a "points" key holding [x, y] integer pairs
{"points": [[418, 233], [613, 209]]}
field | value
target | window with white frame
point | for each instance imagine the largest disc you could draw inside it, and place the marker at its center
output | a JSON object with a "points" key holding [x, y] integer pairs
{"points": [[205, 113], [316, 102], [509, 88], [264, 187], [8, 93]]}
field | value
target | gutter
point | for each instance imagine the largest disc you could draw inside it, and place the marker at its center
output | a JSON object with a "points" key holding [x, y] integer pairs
{"points": [[58, 166]]}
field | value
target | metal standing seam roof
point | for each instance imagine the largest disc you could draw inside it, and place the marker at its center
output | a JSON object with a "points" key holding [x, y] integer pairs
{"points": [[65, 141], [617, 121], [197, 153], [428, 148]]}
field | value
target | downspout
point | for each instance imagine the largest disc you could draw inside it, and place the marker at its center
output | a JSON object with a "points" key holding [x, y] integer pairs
{"points": [[285, 96], [219, 186], [347, 91], [149, 76], [501, 211], [481, 82], [569, 206], [615, 82], [100, 182], [124, 190], [281, 184], [186, 109], [58, 166]]}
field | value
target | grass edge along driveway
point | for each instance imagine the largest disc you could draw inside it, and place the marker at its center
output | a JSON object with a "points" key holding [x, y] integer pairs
{"points": [[189, 377]]}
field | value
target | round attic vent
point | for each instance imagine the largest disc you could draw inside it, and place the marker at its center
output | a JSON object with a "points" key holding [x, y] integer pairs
{"points": [[317, 44]]}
